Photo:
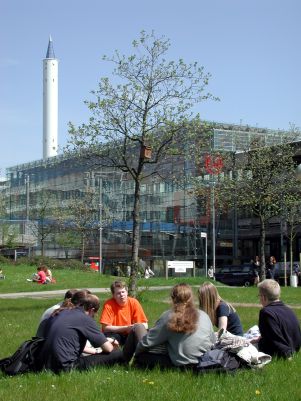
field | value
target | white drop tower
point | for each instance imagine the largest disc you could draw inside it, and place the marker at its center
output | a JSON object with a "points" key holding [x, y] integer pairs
{"points": [[50, 103]]}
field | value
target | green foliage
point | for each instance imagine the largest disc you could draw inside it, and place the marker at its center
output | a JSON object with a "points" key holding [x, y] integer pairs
{"points": [[146, 111], [8, 234], [260, 182], [68, 239], [51, 263]]}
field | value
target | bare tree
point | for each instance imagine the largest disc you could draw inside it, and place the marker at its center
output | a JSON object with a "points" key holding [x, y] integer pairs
{"points": [[44, 216], [81, 215]]}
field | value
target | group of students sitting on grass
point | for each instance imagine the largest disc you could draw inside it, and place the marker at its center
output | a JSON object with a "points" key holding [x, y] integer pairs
{"points": [[179, 338]]}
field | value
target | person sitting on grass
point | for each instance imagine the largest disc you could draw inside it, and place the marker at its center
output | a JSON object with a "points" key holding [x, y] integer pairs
{"points": [[48, 312], [278, 325], [120, 313], [222, 314], [184, 332], [72, 299], [48, 273], [67, 333], [39, 277]]}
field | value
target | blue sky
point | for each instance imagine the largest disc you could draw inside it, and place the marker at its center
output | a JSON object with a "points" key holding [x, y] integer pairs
{"points": [[251, 48]]}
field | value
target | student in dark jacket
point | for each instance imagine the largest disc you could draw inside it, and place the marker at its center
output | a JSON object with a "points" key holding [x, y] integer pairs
{"points": [[278, 324], [67, 334]]}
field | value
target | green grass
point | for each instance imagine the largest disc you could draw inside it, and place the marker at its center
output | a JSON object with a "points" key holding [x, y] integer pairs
{"points": [[16, 276], [280, 380]]}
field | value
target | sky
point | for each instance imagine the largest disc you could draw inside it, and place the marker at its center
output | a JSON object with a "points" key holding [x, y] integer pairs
{"points": [[251, 48]]}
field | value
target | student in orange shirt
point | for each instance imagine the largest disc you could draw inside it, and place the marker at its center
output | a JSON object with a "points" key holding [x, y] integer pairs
{"points": [[120, 313]]}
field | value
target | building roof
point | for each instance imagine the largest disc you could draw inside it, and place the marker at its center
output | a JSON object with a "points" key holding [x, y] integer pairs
{"points": [[50, 51]]}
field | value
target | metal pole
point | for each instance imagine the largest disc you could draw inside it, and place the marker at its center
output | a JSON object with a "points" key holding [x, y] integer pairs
{"points": [[100, 226], [285, 270], [206, 256], [27, 195], [213, 227]]}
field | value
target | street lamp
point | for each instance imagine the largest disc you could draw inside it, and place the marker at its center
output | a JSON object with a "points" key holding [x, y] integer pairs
{"points": [[100, 226], [213, 166], [204, 235]]}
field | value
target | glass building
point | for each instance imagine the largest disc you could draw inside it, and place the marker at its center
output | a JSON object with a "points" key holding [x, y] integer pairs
{"points": [[172, 218]]}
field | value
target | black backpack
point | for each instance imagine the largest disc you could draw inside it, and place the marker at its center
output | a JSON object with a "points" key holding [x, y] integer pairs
{"points": [[218, 360], [24, 359]]}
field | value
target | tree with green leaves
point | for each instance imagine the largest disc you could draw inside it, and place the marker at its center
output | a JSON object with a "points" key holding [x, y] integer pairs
{"points": [[68, 239], [261, 181], [140, 117], [291, 215], [9, 234]]}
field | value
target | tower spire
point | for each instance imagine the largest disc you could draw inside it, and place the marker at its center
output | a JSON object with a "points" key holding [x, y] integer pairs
{"points": [[50, 51]]}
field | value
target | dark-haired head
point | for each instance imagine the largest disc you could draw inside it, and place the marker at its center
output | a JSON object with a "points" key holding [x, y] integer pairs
{"points": [[69, 294], [79, 296]]}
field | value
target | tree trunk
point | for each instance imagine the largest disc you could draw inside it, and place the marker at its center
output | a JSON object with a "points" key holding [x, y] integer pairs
{"points": [[262, 250], [136, 240], [83, 248], [42, 247], [291, 252]]}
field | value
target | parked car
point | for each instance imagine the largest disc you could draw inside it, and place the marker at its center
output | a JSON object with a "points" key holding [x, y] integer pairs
{"points": [[236, 275]]}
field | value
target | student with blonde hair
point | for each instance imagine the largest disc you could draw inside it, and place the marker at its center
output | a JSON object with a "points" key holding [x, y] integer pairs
{"points": [[278, 325], [222, 314]]}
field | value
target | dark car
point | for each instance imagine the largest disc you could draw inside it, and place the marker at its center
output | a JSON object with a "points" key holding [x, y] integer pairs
{"points": [[236, 275]]}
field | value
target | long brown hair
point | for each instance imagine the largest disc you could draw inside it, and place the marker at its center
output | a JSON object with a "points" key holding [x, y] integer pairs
{"points": [[184, 316], [209, 300]]}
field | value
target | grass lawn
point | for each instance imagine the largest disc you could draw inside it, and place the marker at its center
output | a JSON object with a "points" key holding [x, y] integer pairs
{"points": [[280, 380]]}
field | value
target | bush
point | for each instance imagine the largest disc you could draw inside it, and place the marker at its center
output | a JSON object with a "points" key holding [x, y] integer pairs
{"points": [[6, 261], [53, 264]]}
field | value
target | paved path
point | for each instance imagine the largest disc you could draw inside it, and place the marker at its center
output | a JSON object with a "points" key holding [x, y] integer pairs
{"points": [[55, 293]]}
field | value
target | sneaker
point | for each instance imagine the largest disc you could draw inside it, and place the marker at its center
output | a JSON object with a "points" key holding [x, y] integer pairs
{"points": [[28, 279]]}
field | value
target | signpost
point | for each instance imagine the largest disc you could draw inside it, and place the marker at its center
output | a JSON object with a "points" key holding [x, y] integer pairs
{"points": [[179, 266], [204, 235]]}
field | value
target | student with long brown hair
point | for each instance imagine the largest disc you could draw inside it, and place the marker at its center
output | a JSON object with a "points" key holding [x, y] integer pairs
{"points": [[185, 331], [222, 314]]}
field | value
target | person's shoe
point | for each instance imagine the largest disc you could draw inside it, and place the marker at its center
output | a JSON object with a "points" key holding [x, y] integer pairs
{"points": [[28, 279]]}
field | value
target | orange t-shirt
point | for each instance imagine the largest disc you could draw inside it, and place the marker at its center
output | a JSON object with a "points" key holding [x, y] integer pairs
{"points": [[116, 315]]}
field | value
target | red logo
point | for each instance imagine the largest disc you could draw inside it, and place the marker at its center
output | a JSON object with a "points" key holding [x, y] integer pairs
{"points": [[213, 164]]}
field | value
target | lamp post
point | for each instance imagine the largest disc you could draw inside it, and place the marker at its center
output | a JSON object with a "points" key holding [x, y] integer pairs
{"points": [[100, 226], [213, 224], [204, 235], [213, 166]]}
